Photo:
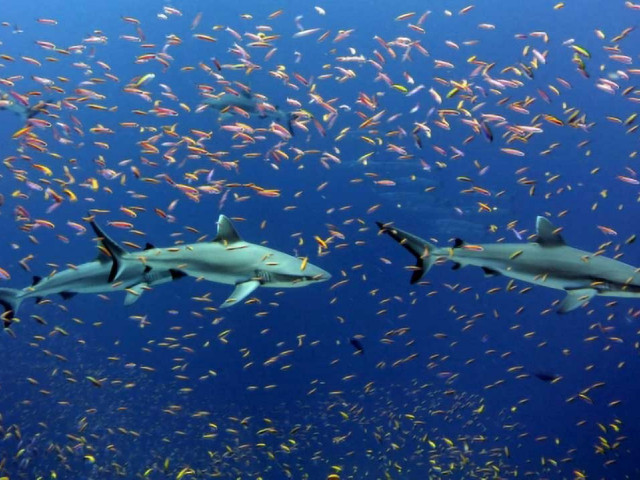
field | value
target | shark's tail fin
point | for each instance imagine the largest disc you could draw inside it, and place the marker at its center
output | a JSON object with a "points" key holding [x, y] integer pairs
{"points": [[10, 300], [37, 109], [290, 119], [421, 249]]}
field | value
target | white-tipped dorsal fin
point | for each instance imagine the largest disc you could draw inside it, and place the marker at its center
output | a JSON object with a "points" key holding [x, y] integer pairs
{"points": [[547, 233], [226, 232]]}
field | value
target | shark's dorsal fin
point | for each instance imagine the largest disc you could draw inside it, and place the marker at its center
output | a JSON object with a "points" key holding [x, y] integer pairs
{"points": [[245, 94], [547, 234], [226, 232], [458, 242], [115, 251], [149, 246]]}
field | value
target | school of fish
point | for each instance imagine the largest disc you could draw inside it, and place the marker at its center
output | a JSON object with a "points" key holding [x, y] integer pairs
{"points": [[303, 130]]}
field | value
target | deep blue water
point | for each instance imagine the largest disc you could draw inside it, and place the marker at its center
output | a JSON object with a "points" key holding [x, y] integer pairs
{"points": [[442, 363]]}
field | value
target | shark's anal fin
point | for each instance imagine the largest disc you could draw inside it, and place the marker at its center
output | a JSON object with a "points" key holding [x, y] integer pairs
{"points": [[68, 295], [576, 298], [115, 252], [242, 290], [490, 272], [548, 235], [134, 293], [226, 232]]}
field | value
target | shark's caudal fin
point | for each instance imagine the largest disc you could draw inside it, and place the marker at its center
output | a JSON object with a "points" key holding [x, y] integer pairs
{"points": [[421, 249], [110, 251], [37, 109], [10, 302], [288, 118]]}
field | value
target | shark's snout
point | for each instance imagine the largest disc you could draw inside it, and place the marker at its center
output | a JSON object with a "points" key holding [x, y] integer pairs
{"points": [[316, 274]]}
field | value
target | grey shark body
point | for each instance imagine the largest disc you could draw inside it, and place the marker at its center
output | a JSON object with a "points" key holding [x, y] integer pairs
{"points": [[228, 259], [23, 111], [548, 262], [250, 104]]}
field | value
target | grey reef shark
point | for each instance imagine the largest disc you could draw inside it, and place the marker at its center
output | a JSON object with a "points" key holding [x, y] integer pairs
{"points": [[247, 103], [548, 262], [227, 259]]}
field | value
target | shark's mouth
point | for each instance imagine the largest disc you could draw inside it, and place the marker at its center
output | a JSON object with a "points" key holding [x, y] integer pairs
{"points": [[265, 277]]}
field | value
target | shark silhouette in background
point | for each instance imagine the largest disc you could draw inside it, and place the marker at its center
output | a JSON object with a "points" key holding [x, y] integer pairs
{"points": [[17, 104], [245, 102]]}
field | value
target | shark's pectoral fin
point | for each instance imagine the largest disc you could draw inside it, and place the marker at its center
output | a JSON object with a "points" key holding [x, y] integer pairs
{"points": [[242, 290], [134, 293], [576, 298], [490, 272]]}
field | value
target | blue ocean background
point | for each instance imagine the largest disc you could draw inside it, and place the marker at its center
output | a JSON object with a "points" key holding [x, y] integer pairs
{"points": [[446, 384]]}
